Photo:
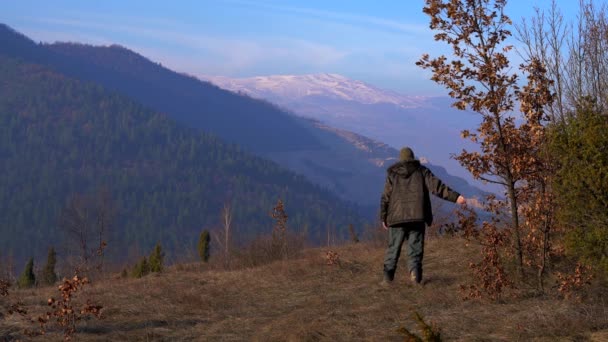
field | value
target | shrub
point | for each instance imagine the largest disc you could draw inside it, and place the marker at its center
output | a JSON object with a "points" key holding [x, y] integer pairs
{"points": [[49, 277], [142, 268], [27, 278], [64, 311], [156, 259], [430, 333], [581, 183]]}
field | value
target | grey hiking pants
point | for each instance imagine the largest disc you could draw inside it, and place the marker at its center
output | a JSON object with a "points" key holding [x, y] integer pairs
{"points": [[413, 232]]}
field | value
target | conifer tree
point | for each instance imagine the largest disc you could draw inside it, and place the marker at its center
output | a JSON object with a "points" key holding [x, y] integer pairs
{"points": [[141, 269], [579, 146], [203, 246], [49, 277], [156, 259], [27, 278]]}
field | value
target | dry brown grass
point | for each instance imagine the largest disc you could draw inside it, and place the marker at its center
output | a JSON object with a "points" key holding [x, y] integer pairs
{"points": [[307, 300]]}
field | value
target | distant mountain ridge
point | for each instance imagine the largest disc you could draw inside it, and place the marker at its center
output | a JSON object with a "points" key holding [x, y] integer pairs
{"points": [[382, 156], [60, 137], [325, 85], [326, 156], [429, 124], [236, 119]]}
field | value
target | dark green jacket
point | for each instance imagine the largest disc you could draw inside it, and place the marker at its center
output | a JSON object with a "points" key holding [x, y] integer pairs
{"points": [[406, 193]]}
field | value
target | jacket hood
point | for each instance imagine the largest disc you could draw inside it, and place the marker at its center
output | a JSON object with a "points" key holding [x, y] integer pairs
{"points": [[404, 168]]}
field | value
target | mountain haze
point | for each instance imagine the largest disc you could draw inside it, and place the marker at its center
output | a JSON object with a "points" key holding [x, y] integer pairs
{"points": [[60, 136], [428, 124], [333, 86], [253, 124], [324, 155]]}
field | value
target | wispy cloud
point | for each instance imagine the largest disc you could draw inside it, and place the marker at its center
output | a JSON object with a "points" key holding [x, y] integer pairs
{"points": [[361, 21], [229, 55], [356, 45]]}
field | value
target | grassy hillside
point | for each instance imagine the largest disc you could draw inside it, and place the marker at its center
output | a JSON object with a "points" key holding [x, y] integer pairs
{"points": [[60, 136], [306, 300]]}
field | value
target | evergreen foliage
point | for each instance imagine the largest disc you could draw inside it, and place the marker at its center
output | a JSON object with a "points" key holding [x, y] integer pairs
{"points": [[238, 119], [60, 136], [27, 278], [49, 277], [203, 245], [141, 269], [156, 259], [580, 146]]}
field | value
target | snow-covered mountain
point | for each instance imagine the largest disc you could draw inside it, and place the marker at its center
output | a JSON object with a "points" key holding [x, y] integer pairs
{"points": [[427, 124], [332, 86], [363, 125]]}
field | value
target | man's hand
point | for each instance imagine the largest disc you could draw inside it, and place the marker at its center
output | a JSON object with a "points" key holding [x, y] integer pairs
{"points": [[384, 226], [461, 200]]}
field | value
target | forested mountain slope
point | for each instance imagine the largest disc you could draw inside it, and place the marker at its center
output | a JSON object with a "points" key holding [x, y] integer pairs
{"points": [[60, 136], [326, 156], [253, 124]]}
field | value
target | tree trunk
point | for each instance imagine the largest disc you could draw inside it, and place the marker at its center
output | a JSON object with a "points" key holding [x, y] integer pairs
{"points": [[515, 218]]}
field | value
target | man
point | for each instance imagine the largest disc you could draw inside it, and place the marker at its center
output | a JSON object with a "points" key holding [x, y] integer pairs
{"points": [[405, 208]]}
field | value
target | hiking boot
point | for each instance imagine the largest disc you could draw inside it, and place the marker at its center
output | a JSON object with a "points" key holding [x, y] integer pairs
{"points": [[416, 276], [388, 278], [386, 283]]}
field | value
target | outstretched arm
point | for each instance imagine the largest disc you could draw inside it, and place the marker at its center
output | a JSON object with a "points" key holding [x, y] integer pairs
{"points": [[439, 189]]}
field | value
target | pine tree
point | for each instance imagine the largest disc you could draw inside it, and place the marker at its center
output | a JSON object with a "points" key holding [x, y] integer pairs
{"points": [[579, 146], [203, 245], [141, 269], [27, 278], [49, 277], [156, 259]]}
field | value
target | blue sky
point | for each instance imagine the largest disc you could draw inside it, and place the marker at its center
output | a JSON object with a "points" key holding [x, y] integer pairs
{"points": [[373, 41]]}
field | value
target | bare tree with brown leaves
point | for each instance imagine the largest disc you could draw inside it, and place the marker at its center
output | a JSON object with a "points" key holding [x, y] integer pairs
{"points": [[480, 78], [64, 311]]}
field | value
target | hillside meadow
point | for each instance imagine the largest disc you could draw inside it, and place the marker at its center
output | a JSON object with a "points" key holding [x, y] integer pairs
{"points": [[305, 299]]}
